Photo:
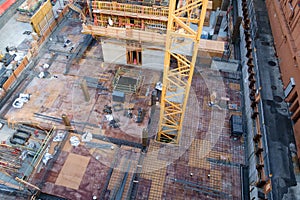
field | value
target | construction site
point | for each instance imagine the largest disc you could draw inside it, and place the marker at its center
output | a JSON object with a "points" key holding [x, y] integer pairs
{"points": [[143, 100]]}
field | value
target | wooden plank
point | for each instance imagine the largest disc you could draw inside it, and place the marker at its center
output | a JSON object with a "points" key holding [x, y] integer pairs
{"points": [[212, 46], [23, 18], [52, 98], [21, 67], [9, 82]]}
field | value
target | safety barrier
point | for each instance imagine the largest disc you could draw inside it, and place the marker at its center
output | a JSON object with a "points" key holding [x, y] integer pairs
{"points": [[16, 73]]}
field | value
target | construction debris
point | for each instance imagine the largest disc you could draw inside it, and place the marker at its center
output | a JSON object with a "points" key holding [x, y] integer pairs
{"points": [[114, 123], [29, 7], [8, 58], [46, 158], [107, 110], [42, 75], [19, 102], [158, 86], [60, 135], [74, 140], [140, 115], [117, 107], [86, 137]]}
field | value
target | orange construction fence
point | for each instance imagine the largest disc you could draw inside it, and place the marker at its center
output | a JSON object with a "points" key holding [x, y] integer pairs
{"points": [[15, 74]]}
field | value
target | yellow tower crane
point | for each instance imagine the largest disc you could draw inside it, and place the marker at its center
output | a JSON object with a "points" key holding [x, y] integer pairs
{"points": [[182, 41]]}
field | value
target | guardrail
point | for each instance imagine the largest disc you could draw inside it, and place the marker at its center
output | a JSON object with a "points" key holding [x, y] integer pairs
{"points": [[131, 8], [15, 74]]}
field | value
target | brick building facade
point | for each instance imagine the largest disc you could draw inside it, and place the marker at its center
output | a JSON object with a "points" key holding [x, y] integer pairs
{"points": [[285, 23]]}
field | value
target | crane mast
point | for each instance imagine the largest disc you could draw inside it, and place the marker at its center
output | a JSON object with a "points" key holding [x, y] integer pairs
{"points": [[182, 40]]}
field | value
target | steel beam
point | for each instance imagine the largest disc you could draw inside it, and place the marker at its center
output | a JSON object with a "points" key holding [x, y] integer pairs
{"points": [[177, 80]]}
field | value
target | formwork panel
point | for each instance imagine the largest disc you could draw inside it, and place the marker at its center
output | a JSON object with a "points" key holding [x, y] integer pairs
{"points": [[72, 172]]}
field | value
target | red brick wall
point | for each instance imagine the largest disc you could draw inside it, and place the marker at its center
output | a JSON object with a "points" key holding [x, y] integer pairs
{"points": [[284, 19]]}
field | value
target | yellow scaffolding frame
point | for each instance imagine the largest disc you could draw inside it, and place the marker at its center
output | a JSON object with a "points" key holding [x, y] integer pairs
{"points": [[42, 18], [177, 80]]}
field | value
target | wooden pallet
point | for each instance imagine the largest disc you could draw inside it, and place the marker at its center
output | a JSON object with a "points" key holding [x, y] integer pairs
{"points": [[23, 18]]}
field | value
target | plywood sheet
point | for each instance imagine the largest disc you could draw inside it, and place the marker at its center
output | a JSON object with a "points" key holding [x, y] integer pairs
{"points": [[234, 86], [72, 172]]}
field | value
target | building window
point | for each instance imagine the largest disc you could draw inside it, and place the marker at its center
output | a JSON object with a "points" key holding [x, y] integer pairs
{"points": [[134, 57], [131, 21]]}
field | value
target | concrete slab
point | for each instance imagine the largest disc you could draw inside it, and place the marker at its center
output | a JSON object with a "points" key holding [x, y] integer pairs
{"points": [[225, 66], [5, 133]]}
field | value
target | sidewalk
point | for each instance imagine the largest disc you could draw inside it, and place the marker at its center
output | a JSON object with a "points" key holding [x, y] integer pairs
{"points": [[4, 6], [11, 34]]}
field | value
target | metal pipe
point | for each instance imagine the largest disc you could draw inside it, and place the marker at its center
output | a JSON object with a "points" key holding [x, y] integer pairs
{"points": [[26, 183]]}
